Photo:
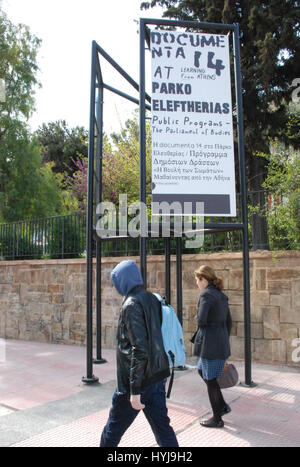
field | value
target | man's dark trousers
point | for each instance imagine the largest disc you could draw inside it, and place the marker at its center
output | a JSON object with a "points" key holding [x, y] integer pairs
{"points": [[122, 415]]}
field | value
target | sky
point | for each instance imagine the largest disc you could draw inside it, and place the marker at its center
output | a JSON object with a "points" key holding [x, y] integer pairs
{"points": [[67, 29]]}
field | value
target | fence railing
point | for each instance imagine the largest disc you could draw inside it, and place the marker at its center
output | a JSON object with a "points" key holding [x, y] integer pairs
{"points": [[65, 237], [53, 237]]}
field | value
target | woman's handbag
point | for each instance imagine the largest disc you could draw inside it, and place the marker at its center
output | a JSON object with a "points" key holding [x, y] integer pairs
{"points": [[229, 377], [192, 340]]}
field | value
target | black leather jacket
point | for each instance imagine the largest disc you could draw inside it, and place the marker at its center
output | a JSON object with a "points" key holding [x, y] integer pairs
{"points": [[141, 359]]}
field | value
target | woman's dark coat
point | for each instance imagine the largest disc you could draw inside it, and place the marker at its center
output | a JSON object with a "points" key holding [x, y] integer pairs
{"points": [[214, 325]]}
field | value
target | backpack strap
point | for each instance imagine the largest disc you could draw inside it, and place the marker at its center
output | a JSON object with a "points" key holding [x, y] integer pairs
{"points": [[172, 374], [163, 301]]}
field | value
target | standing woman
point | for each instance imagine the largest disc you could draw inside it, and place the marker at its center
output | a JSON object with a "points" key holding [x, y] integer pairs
{"points": [[212, 340]]}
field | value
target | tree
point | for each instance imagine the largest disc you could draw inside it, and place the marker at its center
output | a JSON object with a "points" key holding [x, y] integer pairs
{"points": [[18, 68], [120, 173], [61, 144], [283, 203], [27, 189], [77, 182], [270, 49], [121, 166], [291, 136], [32, 190]]}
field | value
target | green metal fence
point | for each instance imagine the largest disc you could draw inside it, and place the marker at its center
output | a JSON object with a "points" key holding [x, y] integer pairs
{"points": [[53, 237], [65, 237]]}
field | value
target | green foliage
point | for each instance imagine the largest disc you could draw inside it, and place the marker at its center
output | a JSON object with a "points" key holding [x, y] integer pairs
{"points": [[283, 203], [61, 145], [18, 68], [292, 134], [67, 237], [120, 167], [14, 244], [121, 163], [56, 237], [28, 189]]}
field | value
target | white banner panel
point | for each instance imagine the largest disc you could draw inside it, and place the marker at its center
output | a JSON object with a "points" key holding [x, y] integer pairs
{"points": [[192, 131]]}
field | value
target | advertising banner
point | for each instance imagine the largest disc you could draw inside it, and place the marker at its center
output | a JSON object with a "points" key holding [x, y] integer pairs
{"points": [[192, 130]]}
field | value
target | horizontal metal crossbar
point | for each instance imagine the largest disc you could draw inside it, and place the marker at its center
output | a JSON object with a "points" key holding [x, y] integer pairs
{"points": [[126, 96], [188, 24], [209, 227], [120, 69]]}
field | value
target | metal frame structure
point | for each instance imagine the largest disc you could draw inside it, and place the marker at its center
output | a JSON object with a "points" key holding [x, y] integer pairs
{"points": [[95, 183]]}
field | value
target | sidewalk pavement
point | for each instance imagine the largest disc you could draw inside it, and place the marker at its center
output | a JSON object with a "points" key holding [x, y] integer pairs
{"points": [[43, 403]]}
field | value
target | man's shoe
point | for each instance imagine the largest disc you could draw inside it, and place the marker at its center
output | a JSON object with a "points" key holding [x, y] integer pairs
{"points": [[212, 423], [226, 410]]}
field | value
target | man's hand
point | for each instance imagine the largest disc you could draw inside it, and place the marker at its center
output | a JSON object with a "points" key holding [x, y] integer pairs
{"points": [[136, 402]]}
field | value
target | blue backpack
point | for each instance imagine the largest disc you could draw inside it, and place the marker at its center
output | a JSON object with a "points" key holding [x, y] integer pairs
{"points": [[173, 339]]}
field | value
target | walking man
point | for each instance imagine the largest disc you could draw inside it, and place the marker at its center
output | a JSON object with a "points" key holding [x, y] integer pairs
{"points": [[142, 364]]}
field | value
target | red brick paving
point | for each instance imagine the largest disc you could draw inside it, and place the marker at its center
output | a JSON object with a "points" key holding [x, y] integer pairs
{"points": [[37, 373], [267, 415]]}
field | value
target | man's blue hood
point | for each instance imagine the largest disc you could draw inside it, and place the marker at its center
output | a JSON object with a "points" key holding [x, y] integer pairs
{"points": [[125, 276]]}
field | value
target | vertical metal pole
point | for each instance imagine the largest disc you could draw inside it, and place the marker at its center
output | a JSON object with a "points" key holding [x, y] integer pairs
{"points": [[98, 360], [63, 238], [143, 240], [168, 269], [90, 378], [14, 242], [242, 167], [179, 277], [99, 110]]}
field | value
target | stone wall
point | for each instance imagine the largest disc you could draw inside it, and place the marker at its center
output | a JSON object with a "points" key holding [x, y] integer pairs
{"points": [[45, 300]]}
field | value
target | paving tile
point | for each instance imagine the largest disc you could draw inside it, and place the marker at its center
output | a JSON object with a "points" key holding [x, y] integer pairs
{"points": [[37, 375], [86, 431]]}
